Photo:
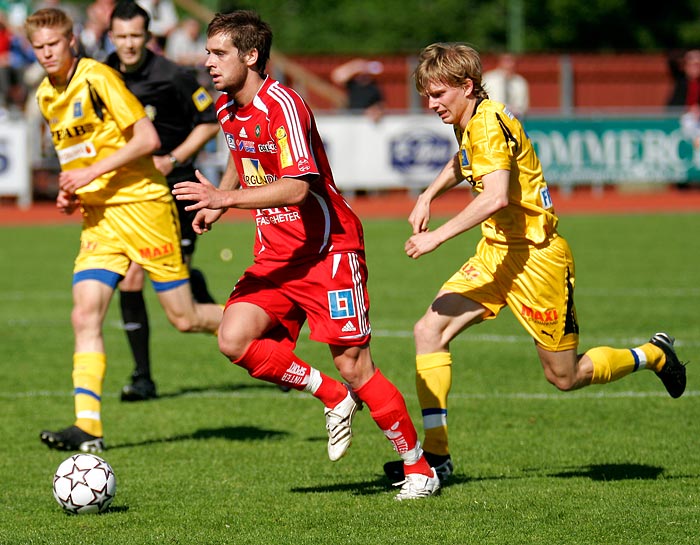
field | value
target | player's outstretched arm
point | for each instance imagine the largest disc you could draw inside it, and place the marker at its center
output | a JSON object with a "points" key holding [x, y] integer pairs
{"points": [[449, 177], [203, 193], [493, 198]]}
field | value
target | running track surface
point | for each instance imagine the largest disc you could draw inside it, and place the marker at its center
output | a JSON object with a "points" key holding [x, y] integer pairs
{"points": [[398, 204]]}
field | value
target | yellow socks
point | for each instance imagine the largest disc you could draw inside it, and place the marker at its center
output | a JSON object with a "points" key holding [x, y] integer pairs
{"points": [[433, 383], [610, 364], [88, 376]]}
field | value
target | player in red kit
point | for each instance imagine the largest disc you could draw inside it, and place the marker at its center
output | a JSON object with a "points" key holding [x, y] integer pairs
{"points": [[309, 249]]}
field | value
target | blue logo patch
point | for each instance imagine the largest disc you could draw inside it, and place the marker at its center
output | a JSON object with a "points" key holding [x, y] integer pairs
{"points": [[546, 198], [341, 304], [77, 109], [463, 158]]}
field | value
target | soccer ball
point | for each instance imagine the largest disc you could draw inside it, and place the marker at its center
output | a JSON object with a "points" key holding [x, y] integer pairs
{"points": [[84, 483]]}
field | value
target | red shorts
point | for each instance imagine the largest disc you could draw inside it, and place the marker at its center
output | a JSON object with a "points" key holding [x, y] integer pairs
{"points": [[330, 292]]}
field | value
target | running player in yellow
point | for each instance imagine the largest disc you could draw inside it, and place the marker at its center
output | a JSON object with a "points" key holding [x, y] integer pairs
{"points": [[104, 142], [521, 260]]}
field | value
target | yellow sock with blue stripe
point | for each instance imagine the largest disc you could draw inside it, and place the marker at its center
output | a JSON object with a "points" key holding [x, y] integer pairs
{"points": [[433, 383], [88, 375], [610, 364]]}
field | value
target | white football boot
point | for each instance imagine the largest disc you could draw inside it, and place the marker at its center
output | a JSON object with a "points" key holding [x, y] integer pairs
{"points": [[416, 486], [339, 426]]}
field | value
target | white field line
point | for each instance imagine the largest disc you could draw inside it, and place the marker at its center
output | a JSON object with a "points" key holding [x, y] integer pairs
{"points": [[658, 292], [515, 396]]}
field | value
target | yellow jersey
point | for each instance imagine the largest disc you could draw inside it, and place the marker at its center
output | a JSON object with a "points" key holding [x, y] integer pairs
{"points": [[494, 140], [88, 119]]}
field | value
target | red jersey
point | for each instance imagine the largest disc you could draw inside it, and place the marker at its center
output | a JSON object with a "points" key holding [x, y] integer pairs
{"points": [[275, 136]]}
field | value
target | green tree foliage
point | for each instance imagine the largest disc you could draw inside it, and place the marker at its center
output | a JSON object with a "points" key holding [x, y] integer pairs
{"points": [[404, 26]]}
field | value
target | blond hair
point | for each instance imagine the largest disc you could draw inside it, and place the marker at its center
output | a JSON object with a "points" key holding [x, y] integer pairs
{"points": [[49, 18], [451, 64]]}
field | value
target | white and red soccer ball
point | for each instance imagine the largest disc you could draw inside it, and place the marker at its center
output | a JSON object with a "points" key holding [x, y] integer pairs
{"points": [[84, 483]]}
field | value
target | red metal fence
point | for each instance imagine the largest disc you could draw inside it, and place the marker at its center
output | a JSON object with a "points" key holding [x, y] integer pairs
{"points": [[625, 81]]}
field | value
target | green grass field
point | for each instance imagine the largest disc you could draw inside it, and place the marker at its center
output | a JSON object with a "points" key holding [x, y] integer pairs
{"points": [[221, 458]]}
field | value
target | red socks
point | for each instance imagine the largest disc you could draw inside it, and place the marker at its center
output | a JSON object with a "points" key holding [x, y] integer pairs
{"points": [[388, 409], [271, 361]]}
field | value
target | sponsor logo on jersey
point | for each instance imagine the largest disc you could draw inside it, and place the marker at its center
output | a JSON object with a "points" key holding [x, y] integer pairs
{"points": [[463, 158], [155, 252], [230, 141], [546, 198], [77, 151], [77, 110], [243, 134], [72, 132], [253, 173], [267, 147], [201, 99], [341, 304], [275, 216], [246, 145], [303, 165], [283, 146], [540, 316]]}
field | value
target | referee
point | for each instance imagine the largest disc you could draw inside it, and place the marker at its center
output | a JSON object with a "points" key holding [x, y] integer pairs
{"points": [[184, 117]]}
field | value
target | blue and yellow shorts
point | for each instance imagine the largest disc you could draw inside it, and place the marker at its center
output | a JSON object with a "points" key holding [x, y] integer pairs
{"points": [[147, 233]]}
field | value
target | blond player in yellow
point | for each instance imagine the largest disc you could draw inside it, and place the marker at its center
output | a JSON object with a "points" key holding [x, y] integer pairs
{"points": [[521, 260], [104, 142]]}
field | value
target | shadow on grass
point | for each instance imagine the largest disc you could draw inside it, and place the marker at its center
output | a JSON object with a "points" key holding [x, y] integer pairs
{"points": [[230, 433], [612, 472], [364, 488], [596, 472], [220, 389], [114, 509]]}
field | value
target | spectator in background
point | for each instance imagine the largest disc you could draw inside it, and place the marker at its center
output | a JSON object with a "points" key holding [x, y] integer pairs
{"points": [[94, 35], [163, 19], [21, 58], [686, 76], [358, 77], [5, 40], [504, 85], [185, 45], [685, 96]]}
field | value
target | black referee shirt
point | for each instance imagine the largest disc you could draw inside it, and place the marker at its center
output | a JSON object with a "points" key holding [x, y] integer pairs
{"points": [[172, 97]]}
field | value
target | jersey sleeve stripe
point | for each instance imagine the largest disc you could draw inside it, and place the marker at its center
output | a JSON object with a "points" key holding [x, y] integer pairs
{"points": [[291, 115]]}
